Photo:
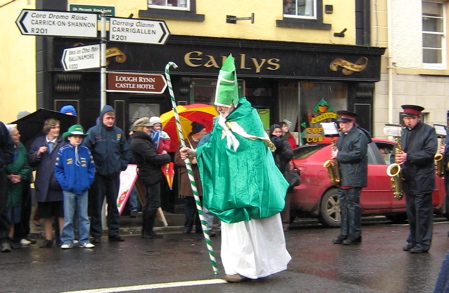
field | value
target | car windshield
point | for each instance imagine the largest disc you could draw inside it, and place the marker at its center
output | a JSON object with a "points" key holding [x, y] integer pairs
{"points": [[307, 150]]}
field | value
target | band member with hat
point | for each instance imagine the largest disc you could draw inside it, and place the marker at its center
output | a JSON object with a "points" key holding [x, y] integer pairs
{"points": [[419, 145], [351, 155]]}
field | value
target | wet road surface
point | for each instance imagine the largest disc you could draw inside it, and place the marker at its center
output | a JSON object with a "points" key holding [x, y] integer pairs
{"points": [[161, 265]]}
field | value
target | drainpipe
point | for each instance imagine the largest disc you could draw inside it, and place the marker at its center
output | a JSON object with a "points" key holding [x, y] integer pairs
{"points": [[390, 65]]}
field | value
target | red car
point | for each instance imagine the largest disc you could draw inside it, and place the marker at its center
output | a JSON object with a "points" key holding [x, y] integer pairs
{"points": [[317, 197]]}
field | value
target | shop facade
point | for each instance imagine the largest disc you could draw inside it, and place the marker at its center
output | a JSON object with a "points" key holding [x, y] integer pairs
{"points": [[303, 83]]}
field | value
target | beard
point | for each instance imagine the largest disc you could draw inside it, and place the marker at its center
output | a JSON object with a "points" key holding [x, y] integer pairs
{"points": [[225, 112]]}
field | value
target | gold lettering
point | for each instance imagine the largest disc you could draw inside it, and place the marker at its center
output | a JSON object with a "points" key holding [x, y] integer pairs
{"points": [[211, 62], [275, 63], [258, 66], [188, 58], [242, 61]]}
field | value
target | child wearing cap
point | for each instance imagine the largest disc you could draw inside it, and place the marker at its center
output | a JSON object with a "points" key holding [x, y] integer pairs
{"points": [[161, 140], [75, 172]]}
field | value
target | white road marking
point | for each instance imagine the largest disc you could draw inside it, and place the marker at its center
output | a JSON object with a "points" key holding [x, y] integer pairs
{"points": [[152, 286]]}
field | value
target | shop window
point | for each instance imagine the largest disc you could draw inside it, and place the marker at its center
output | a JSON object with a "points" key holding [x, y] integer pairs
{"points": [[303, 13], [434, 48], [319, 102], [172, 9], [139, 110]]}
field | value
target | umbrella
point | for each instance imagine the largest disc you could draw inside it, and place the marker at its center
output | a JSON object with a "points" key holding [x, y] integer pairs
{"points": [[31, 125], [201, 113]]}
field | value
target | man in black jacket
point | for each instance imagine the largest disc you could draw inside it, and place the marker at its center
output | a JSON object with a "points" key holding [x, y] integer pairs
{"points": [[419, 143], [109, 148], [351, 155]]}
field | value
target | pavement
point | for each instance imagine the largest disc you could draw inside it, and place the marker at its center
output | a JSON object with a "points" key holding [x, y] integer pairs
{"points": [[131, 226]]}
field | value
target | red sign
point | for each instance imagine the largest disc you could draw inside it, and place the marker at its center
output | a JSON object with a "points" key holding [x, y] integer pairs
{"points": [[136, 83]]}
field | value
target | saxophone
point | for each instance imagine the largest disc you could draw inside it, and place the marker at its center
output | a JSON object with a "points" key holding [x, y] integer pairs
{"points": [[394, 171], [333, 169], [439, 162]]}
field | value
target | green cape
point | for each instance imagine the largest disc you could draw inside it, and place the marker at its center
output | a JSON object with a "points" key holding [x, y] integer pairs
{"points": [[244, 184]]}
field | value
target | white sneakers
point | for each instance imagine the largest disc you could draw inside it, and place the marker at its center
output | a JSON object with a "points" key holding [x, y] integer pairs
{"points": [[25, 242], [85, 245], [66, 246]]}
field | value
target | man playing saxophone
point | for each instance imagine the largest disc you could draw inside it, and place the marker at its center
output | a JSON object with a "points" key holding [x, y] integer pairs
{"points": [[351, 155], [419, 145]]}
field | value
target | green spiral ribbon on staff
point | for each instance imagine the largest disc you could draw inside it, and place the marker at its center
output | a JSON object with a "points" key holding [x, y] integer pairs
{"points": [[189, 170]]}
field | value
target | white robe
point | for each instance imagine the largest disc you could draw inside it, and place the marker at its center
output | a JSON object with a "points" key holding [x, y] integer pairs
{"points": [[254, 249]]}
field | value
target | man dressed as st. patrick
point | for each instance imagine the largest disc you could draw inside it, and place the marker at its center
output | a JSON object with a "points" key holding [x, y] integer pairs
{"points": [[242, 185]]}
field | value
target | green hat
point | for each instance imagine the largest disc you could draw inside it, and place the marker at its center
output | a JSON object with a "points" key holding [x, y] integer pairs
{"points": [[74, 130], [227, 92]]}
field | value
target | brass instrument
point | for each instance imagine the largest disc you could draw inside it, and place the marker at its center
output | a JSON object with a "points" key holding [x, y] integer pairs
{"points": [[394, 171], [333, 169], [441, 131], [439, 162]]}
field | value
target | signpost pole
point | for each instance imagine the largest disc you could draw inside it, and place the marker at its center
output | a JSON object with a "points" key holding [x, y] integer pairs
{"points": [[103, 60]]}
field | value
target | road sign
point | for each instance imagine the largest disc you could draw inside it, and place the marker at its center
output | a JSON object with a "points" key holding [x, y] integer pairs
{"points": [[136, 83], [107, 10], [138, 31], [56, 23], [83, 57]]}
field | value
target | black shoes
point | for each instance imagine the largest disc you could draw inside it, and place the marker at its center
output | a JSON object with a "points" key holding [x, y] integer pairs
{"points": [[339, 239], [408, 247], [6, 247], [133, 214], [187, 230], [46, 244], [116, 238], [355, 241], [95, 240], [418, 249], [211, 233], [153, 235], [414, 248]]}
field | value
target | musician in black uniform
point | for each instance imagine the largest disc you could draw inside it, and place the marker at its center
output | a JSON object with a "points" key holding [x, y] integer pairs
{"points": [[351, 155], [419, 145]]}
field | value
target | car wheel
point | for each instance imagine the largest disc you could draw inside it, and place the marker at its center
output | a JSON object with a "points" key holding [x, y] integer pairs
{"points": [[330, 209], [397, 219]]}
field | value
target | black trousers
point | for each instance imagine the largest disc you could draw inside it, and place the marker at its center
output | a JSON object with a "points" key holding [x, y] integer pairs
{"points": [[104, 187], [350, 212], [191, 214], [420, 219], [4, 223]]}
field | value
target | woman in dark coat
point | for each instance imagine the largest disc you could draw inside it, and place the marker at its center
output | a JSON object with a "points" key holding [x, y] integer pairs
{"points": [[42, 155], [149, 164], [282, 156], [190, 210]]}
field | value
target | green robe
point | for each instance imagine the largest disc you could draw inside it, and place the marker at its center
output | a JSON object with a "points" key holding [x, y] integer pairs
{"points": [[244, 184], [20, 167]]}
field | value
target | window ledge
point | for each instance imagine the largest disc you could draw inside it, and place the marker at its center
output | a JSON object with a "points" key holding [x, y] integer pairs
{"points": [[303, 23], [423, 71], [171, 14]]}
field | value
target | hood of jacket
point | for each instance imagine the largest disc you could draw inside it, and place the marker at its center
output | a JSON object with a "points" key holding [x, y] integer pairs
{"points": [[105, 109]]}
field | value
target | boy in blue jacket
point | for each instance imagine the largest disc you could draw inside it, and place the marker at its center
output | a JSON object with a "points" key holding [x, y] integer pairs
{"points": [[75, 172]]}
